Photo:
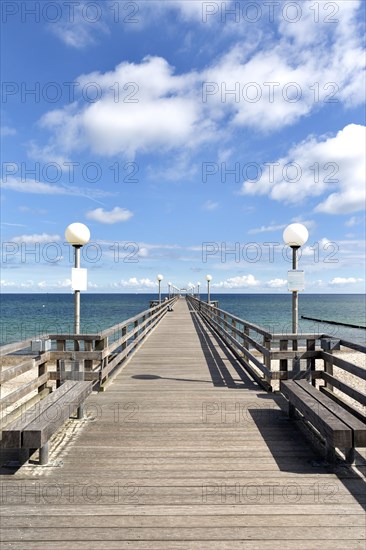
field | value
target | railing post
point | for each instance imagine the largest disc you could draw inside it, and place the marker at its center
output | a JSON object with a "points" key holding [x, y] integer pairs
{"points": [[143, 325], [310, 362], [124, 332], [328, 368], [42, 369], [233, 333], [60, 346], [136, 335], [88, 363], [267, 359], [296, 360], [246, 333], [284, 362], [100, 345]]}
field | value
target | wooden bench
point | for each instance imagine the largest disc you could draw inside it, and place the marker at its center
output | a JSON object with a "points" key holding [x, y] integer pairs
{"points": [[36, 426], [339, 428]]}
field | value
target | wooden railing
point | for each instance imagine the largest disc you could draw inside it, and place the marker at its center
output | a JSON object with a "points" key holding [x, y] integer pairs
{"points": [[242, 337], [268, 357], [82, 356]]}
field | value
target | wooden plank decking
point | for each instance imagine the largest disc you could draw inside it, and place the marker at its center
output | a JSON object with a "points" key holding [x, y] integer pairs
{"points": [[183, 451]]}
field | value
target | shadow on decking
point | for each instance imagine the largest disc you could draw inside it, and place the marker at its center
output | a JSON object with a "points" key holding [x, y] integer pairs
{"points": [[279, 432], [219, 371], [157, 377], [275, 427]]}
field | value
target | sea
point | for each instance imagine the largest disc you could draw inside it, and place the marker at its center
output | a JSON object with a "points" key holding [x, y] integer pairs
{"points": [[30, 315]]}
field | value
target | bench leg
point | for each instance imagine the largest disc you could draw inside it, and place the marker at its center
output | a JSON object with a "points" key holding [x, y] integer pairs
{"points": [[23, 456], [291, 410], [350, 455], [80, 412], [331, 455], [43, 454]]}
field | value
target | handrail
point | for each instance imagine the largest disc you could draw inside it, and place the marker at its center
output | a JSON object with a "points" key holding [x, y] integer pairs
{"points": [[98, 357], [276, 356]]}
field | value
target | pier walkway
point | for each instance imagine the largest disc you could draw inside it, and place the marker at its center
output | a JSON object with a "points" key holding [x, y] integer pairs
{"points": [[183, 451]]}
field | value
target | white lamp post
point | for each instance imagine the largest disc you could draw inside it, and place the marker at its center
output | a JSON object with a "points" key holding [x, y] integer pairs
{"points": [[208, 279], [198, 290], [77, 234], [159, 278], [295, 235], [169, 285]]}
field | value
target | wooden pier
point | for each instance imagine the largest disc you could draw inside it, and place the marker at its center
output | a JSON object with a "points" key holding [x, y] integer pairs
{"points": [[184, 450]]}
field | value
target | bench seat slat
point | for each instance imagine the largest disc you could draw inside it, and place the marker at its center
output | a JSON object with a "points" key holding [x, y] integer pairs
{"points": [[38, 432], [358, 427], [12, 433], [336, 432]]}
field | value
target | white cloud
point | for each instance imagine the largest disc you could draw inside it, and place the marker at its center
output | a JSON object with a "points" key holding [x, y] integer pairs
{"points": [[267, 229], [81, 23], [210, 205], [149, 106], [277, 283], [7, 131], [39, 188], [279, 82], [47, 154], [135, 283], [323, 244], [92, 285], [36, 238], [13, 224], [40, 285], [116, 215], [242, 281], [333, 164], [192, 9], [345, 280], [6, 284], [155, 110], [352, 221], [31, 186]]}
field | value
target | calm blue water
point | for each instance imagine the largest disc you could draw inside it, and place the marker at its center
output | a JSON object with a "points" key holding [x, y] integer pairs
{"points": [[274, 312], [27, 315]]}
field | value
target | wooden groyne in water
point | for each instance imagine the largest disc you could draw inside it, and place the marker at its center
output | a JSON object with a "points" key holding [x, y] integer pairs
{"points": [[185, 450], [340, 323]]}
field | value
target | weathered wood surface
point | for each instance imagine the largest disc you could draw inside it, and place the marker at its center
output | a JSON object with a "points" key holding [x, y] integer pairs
{"points": [[12, 434], [336, 432], [183, 451], [40, 430], [358, 427]]}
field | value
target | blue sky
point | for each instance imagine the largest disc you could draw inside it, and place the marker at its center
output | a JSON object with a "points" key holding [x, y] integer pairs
{"points": [[187, 135]]}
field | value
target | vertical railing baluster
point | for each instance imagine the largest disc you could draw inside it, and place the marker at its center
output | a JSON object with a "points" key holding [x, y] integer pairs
{"points": [[284, 362], [267, 359], [310, 363]]}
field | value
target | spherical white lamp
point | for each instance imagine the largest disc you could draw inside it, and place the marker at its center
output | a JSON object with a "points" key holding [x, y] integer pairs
{"points": [[77, 234], [159, 278], [295, 235], [208, 279]]}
